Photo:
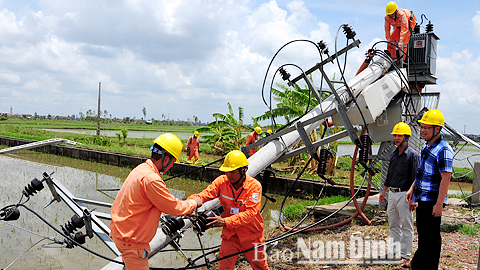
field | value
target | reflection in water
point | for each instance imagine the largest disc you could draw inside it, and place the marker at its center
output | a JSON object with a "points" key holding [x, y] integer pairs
{"points": [[81, 178]]}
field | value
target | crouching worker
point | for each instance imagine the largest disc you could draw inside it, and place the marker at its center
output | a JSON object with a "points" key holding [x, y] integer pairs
{"points": [[142, 199], [242, 223]]}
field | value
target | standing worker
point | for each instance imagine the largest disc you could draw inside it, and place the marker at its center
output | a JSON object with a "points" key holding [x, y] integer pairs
{"points": [[141, 201], [193, 145], [403, 21], [242, 222], [253, 137], [404, 163], [428, 195]]}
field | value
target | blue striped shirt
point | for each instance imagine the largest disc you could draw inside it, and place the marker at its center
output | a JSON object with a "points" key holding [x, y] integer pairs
{"points": [[434, 159]]}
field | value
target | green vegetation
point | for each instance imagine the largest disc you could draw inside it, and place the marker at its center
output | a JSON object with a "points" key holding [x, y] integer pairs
{"points": [[460, 196], [463, 174], [299, 209], [92, 125], [226, 131], [468, 230]]}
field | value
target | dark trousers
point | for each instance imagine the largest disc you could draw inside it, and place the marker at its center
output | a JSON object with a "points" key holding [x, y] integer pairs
{"points": [[427, 255]]}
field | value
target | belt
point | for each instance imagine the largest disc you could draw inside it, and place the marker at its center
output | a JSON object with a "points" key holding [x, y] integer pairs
{"points": [[392, 189]]}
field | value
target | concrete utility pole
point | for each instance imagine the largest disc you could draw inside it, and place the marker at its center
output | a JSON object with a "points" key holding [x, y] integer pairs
{"points": [[98, 115]]}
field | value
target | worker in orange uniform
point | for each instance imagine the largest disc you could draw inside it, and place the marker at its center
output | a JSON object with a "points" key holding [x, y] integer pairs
{"points": [[403, 22], [142, 199], [192, 147], [242, 223], [253, 137]]}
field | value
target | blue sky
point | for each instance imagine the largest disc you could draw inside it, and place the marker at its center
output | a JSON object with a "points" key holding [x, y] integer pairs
{"points": [[184, 58]]}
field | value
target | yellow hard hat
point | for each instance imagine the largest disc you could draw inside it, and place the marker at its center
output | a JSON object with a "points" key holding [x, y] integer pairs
{"points": [[433, 117], [401, 129], [235, 159], [391, 7], [171, 143], [258, 130], [269, 131], [195, 133]]}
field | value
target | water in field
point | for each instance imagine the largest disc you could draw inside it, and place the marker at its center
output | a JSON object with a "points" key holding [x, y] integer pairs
{"points": [[82, 178]]}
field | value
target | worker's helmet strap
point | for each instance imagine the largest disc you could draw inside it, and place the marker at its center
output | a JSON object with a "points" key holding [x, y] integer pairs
{"points": [[433, 135], [159, 150]]}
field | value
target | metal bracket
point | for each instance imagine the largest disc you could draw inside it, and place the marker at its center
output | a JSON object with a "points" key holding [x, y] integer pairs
{"points": [[329, 139], [317, 96], [87, 218], [308, 144], [342, 112], [51, 186]]}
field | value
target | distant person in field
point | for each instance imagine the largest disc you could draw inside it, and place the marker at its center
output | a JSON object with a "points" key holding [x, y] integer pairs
{"points": [[193, 146], [253, 137]]}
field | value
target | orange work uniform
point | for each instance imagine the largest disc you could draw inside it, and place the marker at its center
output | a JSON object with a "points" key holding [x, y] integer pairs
{"points": [[252, 137], [194, 144], [243, 221], [136, 213], [403, 23]]}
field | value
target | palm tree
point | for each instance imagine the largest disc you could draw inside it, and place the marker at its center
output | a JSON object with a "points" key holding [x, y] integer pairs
{"points": [[291, 102]]}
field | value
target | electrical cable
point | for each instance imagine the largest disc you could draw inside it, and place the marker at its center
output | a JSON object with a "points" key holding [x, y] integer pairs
{"points": [[383, 55], [349, 91], [288, 192], [68, 237], [286, 234], [271, 61], [23, 253], [271, 86]]}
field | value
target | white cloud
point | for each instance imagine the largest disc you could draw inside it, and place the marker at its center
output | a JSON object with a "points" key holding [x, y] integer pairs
{"points": [[476, 24], [188, 57], [299, 14], [459, 86], [9, 78]]}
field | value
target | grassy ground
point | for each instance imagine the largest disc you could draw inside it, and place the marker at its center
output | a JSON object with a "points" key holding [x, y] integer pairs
{"points": [[91, 125]]}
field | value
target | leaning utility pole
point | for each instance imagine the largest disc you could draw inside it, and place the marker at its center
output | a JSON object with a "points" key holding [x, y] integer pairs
{"points": [[98, 115]]}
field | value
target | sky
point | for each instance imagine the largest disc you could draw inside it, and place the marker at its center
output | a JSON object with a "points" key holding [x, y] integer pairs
{"points": [[186, 58]]}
